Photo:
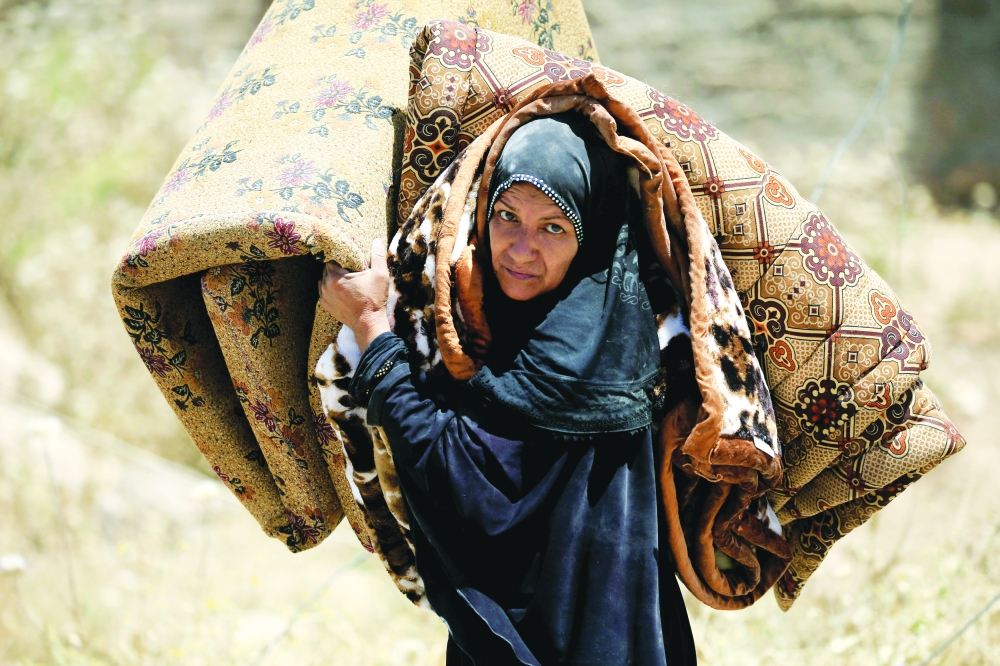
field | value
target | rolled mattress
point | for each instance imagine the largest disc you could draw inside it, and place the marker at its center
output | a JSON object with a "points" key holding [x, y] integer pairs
{"points": [[292, 167]]}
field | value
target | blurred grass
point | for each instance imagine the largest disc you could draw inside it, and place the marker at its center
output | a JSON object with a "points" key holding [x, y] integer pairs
{"points": [[131, 561], [98, 98], [134, 562]]}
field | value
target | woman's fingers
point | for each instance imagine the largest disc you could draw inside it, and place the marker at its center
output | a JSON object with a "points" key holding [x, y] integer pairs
{"points": [[355, 297], [379, 263]]}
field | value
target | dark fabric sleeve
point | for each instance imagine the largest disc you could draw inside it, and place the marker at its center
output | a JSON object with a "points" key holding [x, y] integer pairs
{"points": [[527, 550], [398, 373], [429, 439], [385, 354], [470, 473], [421, 427], [425, 434]]}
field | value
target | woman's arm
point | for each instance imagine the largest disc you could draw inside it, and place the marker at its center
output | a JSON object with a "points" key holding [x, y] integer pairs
{"points": [[418, 427], [463, 468], [358, 300], [444, 453]]}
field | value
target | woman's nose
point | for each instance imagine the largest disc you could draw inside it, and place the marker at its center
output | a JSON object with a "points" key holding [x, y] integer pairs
{"points": [[522, 250]]}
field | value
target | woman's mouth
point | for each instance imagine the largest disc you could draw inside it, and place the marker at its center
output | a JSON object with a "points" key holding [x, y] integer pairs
{"points": [[517, 275]]}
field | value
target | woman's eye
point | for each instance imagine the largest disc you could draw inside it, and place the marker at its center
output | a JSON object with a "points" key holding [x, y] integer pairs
{"points": [[553, 228], [507, 216]]}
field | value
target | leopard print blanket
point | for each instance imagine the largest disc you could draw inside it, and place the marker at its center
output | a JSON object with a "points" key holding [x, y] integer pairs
{"points": [[717, 445]]}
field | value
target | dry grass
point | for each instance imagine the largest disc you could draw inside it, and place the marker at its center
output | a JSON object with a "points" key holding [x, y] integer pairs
{"points": [[134, 560]]}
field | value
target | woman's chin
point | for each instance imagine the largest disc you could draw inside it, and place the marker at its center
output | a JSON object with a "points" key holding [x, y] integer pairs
{"points": [[520, 290]]}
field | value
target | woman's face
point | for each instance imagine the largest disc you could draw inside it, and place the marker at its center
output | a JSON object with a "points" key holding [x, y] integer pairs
{"points": [[532, 242]]}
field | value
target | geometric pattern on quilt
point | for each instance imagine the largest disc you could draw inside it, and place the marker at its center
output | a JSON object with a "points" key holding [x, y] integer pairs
{"points": [[841, 355]]}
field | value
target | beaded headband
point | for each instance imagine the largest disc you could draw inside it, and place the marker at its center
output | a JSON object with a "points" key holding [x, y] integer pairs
{"points": [[549, 192]]}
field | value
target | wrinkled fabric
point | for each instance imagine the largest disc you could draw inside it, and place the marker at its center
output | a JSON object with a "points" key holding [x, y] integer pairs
{"points": [[534, 549]]}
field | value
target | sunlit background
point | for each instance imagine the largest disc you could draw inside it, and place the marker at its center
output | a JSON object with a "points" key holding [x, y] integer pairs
{"points": [[118, 545]]}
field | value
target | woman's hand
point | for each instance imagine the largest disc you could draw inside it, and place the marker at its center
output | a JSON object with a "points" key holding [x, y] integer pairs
{"points": [[358, 300]]}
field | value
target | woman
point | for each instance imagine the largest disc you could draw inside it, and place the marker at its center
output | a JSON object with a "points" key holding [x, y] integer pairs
{"points": [[532, 486]]}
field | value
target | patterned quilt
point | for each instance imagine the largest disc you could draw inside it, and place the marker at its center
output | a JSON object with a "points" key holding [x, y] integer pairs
{"points": [[313, 146], [840, 354]]}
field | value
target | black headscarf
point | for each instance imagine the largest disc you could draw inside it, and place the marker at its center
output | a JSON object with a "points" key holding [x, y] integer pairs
{"points": [[582, 359]]}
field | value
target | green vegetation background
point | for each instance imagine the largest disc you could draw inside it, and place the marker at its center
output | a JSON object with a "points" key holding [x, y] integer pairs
{"points": [[116, 547]]}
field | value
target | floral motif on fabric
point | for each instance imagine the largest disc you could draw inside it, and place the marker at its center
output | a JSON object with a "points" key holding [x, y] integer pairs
{"points": [[456, 44], [244, 492], [290, 11], [714, 187], [251, 84], [375, 18], [324, 430], [333, 96], [301, 182], [538, 14], [265, 28], [825, 409], [155, 363], [280, 422], [332, 92], [305, 530], [211, 159], [204, 158], [251, 307], [296, 172], [141, 248], [370, 16], [284, 238], [827, 256], [525, 9], [157, 340], [503, 100], [679, 119], [854, 477], [764, 253], [322, 32]]}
